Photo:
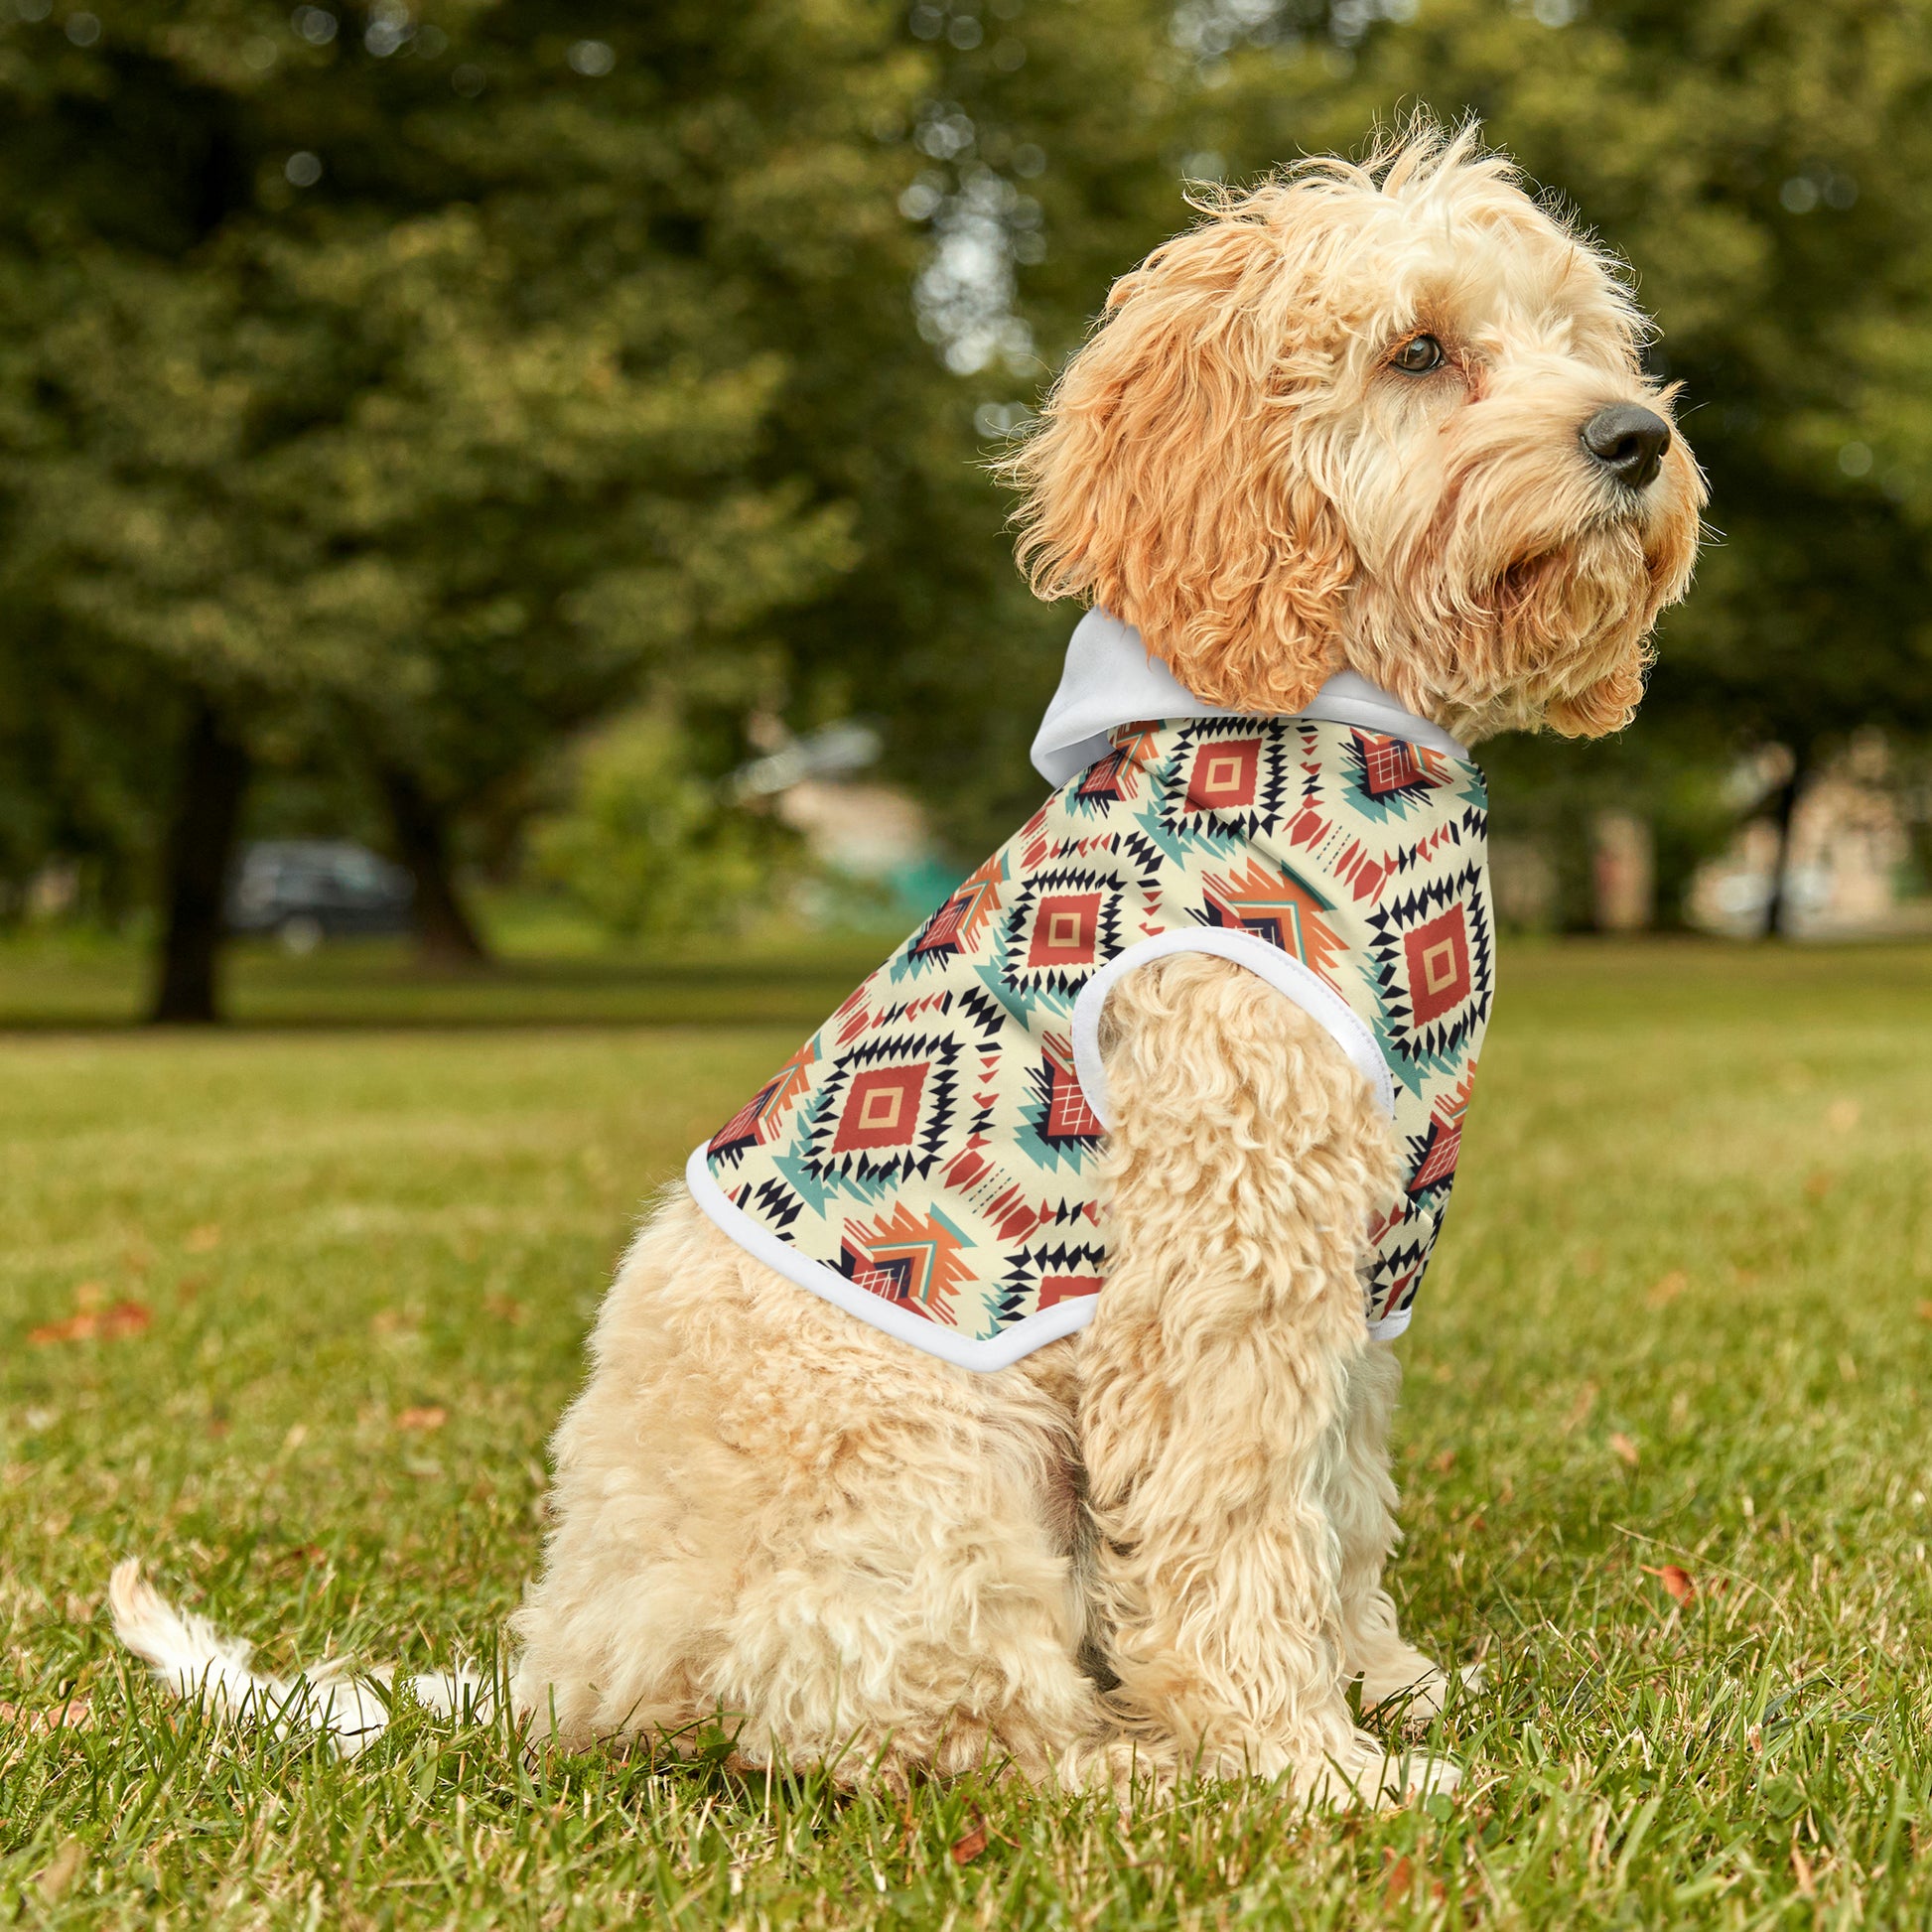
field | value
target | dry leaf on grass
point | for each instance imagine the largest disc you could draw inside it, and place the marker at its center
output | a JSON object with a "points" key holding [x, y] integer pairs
{"points": [[1669, 1289], [507, 1307], [1925, 1311], [76, 1715], [965, 1849], [89, 1324], [1625, 1450], [1399, 1882], [426, 1417], [1442, 1464], [1678, 1582]]}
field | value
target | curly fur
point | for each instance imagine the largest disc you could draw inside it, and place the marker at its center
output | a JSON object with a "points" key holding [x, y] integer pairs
{"points": [[1158, 1545], [1231, 465]]}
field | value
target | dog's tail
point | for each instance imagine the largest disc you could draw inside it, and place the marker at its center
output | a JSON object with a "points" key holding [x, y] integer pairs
{"points": [[196, 1661]]}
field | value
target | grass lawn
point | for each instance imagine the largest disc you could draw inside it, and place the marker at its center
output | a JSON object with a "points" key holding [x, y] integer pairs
{"points": [[1680, 1318], [66, 981]]}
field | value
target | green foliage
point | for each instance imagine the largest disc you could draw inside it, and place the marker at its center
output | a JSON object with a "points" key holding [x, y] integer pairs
{"points": [[649, 847], [1549, 791], [77, 776], [418, 394], [1692, 1215], [1760, 163], [1037, 160]]}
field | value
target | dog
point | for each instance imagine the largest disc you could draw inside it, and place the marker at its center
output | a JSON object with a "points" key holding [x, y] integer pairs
{"points": [[1370, 434]]}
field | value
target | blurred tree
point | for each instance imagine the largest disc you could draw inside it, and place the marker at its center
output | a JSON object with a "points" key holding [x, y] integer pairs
{"points": [[72, 778], [651, 850], [409, 381], [1753, 159]]}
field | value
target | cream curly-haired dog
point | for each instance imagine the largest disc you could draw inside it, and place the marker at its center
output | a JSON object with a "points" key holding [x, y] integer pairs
{"points": [[1385, 419]]}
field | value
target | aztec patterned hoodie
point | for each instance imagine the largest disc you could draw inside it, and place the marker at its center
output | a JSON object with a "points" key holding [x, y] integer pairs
{"points": [[928, 1159]]}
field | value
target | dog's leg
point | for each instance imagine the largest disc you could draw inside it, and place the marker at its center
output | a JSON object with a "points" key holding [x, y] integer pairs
{"points": [[1246, 1158], [1361, 1505], [770, 1515], [912, 1605]]}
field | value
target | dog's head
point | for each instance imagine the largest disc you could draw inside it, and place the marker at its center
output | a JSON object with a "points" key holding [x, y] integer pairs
{"points": [[1389, 417]]}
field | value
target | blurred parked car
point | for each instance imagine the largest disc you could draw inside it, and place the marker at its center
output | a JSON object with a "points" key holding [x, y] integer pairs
{"points": [[306, 891]]}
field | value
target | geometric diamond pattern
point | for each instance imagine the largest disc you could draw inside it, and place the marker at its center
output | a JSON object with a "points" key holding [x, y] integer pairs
{"points": [[1064, 922], [931, 1147], [882, 1109], [1434, 969]]}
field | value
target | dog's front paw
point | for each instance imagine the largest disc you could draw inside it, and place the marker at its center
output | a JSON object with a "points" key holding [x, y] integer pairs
{"points": [[1367, 1772], [1413, 1692]]}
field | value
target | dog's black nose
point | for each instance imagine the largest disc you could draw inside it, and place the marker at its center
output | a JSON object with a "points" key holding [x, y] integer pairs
{"points": [[1629, 442]]}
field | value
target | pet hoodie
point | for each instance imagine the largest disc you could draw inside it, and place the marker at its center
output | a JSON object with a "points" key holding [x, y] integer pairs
{"points": [[929, 1160]]}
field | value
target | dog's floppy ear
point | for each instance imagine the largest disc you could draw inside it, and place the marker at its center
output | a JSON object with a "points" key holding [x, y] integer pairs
{"points": [[1166, 482]]}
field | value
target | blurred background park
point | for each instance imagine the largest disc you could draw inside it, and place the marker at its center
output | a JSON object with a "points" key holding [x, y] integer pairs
{"points": [[511, 477], [495, 529]]}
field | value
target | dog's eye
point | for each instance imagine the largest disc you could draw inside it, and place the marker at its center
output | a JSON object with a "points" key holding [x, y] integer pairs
{"points": [[1418, 355]]}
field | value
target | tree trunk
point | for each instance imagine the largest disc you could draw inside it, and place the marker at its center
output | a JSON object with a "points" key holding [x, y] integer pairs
{"points": [[1778, 905], [201, 846], [445, 936]]}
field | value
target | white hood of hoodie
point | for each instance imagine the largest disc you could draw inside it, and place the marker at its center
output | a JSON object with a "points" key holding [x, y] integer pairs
{"points": [[1109, 680]]}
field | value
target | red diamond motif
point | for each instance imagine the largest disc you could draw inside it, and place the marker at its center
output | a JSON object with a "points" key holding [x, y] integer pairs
{"points": [[1437, 954]]}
